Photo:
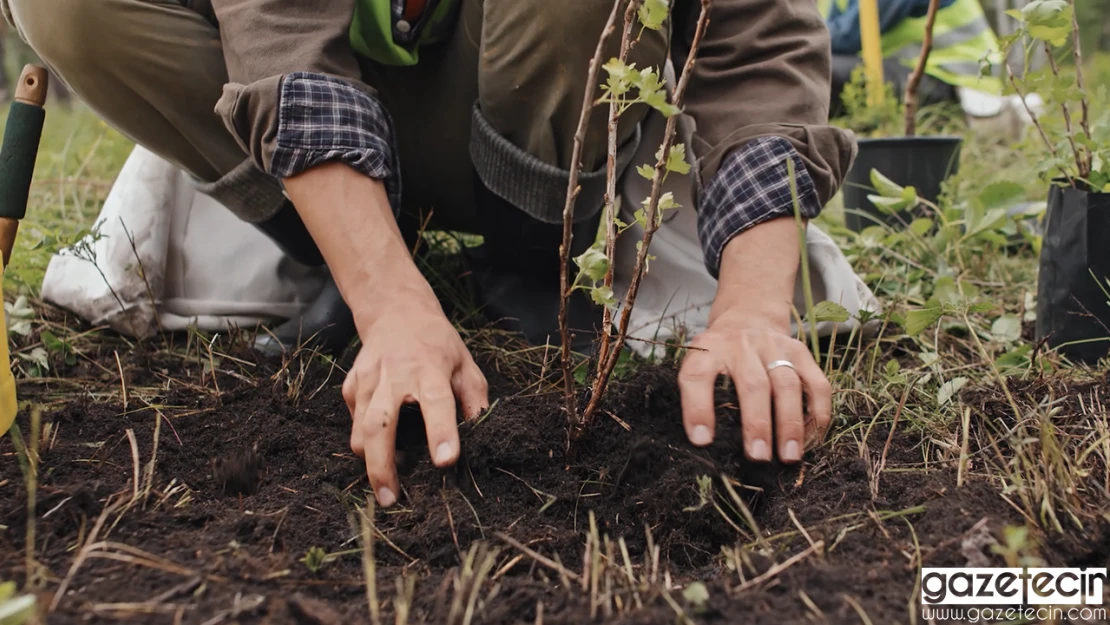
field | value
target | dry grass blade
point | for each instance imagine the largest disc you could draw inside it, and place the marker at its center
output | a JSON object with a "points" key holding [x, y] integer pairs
{"points": [[369, 565], [134, 466], [540, 559], [779, 568], [28, 454], [83, 553]]}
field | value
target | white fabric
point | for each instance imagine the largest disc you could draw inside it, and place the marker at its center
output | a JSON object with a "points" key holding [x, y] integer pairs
{"points": [[204, 266], [676, 293]]}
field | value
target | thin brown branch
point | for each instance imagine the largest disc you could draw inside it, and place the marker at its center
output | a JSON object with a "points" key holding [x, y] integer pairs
{"points": [[568, 211], [910, 95], [1084, 104], [651, 224], [1076, 152], [611, 183], [1021, 93]]}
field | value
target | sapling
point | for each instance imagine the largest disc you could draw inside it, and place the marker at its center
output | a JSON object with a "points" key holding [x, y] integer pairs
{"points": [[910, 96], [626, 86], [1052, 24]]}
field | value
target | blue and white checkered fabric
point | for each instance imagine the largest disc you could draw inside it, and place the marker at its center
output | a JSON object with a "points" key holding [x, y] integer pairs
{"points": [[323, 119], [752, 186]]}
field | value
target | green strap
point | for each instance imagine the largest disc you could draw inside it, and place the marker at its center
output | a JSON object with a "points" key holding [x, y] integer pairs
{"points": [[17, 157]]}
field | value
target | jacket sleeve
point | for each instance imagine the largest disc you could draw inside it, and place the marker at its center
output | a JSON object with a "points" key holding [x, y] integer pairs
{"points": [[763, 69], [294, 97], [759, 96]]}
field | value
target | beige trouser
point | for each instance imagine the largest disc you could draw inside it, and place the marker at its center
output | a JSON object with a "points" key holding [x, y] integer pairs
{"points": [[155, 70]]}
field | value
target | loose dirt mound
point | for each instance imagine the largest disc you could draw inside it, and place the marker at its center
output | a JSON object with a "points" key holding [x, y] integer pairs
{"points": [[188, 552]]}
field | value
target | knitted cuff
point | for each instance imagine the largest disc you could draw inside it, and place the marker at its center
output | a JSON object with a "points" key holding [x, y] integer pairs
{"points": [[532, 185], [252, 194]]}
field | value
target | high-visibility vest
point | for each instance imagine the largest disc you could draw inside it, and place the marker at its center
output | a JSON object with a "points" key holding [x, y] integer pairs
{"points": [[962, 36], [391, 32]]}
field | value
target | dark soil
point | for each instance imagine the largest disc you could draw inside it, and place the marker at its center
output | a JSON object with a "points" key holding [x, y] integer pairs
{"points": [[249, 480]]}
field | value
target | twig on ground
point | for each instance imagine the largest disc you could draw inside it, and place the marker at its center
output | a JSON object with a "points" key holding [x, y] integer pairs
{"points": [[779, 568], [540, 559]]}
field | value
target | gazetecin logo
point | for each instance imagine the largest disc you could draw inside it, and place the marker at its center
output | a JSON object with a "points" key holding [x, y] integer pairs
{"points": [[1060, 594]]}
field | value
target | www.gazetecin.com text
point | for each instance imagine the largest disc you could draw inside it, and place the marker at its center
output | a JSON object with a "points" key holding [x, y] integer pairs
{"points": [[1031, 614]]}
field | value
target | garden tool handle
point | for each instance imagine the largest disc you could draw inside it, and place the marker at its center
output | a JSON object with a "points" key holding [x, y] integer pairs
{"points": [[20, 148]]}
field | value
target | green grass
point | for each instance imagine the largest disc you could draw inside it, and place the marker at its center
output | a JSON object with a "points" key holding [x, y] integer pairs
{"points": [[79, 158]]}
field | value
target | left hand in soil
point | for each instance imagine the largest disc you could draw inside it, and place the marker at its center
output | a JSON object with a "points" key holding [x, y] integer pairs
{"points": [[741, 344]]}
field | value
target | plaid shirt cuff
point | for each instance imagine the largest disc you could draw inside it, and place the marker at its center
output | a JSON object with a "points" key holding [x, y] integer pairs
{"points": [[752, 186], [322, 119]]}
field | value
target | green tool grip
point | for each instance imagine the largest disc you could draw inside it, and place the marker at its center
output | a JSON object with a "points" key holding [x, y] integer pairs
{"points": [[17, 157]]}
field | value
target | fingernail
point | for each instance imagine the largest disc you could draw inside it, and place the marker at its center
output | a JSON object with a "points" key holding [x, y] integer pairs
{"points": [[792, 452], [701, 436], [444, 453], [386, 497], [760, 450]]}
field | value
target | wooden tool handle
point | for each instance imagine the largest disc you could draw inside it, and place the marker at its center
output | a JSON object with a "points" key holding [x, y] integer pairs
{"points": [[8, 229], [31, 89], [32, 86]]}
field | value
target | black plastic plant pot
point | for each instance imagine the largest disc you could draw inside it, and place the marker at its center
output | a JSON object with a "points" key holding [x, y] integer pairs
{"points": [[1073, 308], [921, 162]]}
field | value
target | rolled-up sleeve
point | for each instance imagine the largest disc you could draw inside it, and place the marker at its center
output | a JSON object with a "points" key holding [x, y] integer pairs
{"points": [[763, 71], [295, 98]]}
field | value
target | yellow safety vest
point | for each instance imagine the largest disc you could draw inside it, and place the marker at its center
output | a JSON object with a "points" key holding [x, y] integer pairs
{"points": [[962, 36]]}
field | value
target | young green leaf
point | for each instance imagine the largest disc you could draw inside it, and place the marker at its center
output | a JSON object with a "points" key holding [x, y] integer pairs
{"points": [[593, 263], [620, 76], [1006, 328], [51, 341], [829, 311], [646, 171], [653, 13], [921, 226], [696, 594], [888, 205], [949, 389], [917, 321], [1048, 20], [676, 159], [603, 296], [909, 196], [666, 202], [885, 186], [658, 101], [1001, 194]]}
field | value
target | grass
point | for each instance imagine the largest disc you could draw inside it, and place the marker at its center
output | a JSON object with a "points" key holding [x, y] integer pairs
{"points": [[969, 389], [79, 158]]}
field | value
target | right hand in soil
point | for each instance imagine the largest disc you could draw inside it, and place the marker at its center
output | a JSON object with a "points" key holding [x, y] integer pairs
{"points": [[411, 354]]}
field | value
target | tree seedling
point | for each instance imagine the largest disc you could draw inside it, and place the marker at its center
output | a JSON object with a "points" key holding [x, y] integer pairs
{"points": [[625, 87]]}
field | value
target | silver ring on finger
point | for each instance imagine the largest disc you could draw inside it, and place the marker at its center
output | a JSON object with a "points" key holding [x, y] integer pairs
{"points": [[780, 363]]}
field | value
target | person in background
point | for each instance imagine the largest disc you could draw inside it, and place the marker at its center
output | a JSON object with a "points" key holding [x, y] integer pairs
{"points": [[962, 38]]}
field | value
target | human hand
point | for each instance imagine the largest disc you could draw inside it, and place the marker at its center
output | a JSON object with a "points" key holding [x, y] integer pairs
{"points": [[410, 354], [743, 344]]}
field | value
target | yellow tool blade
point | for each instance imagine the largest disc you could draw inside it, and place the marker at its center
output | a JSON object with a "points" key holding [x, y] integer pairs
{"points": [[872, 50], [7, 380]]}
